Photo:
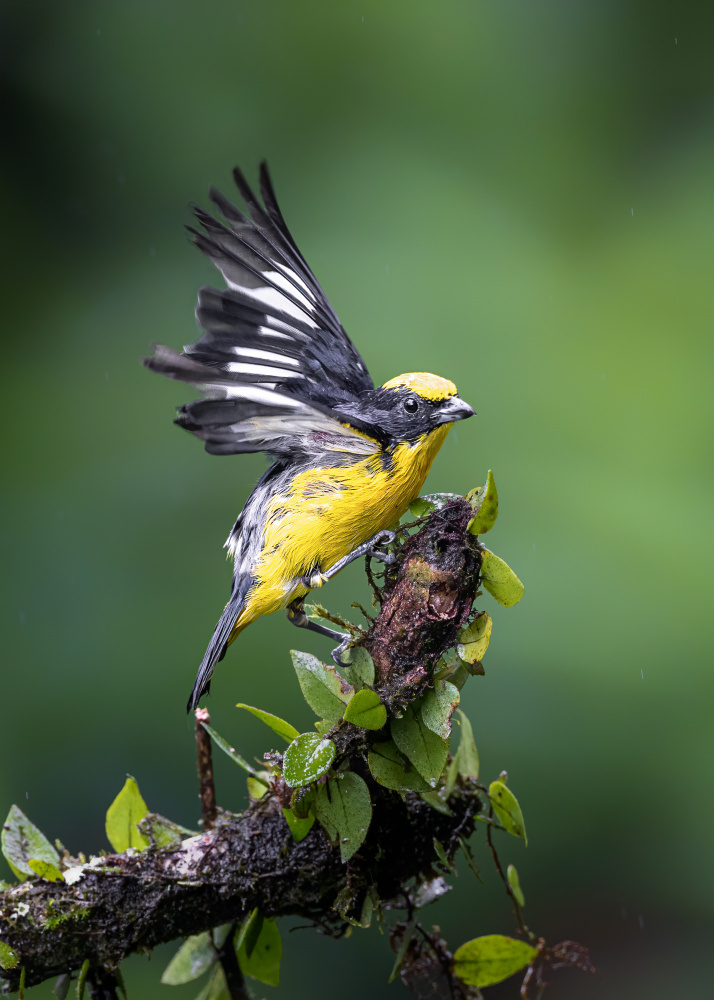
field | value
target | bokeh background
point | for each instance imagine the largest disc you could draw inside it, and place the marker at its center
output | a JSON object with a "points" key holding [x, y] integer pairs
{"points": [[518, 196]]}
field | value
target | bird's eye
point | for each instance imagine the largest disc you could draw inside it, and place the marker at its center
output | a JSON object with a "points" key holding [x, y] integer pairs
{"points": [[411, 405]]}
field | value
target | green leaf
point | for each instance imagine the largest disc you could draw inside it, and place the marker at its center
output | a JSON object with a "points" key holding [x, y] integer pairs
{"points": [[441, 855], [260, 949], [438, 706], [307, 757], [491, 959], [8, 957], [22, 843], [366, 710], [431, 502], [344, 810], [46, 870], [386, 764], [505, 805], [323, 689], [499, 580], [515, 884], [299, 827], [487, 509], [426, 750], [122, 816], [467, 754], [359, 669], [195, 955], [229, 751], [258, 785], [61, 986], [278, 725], [403, 946], [474, 639], [216, 988], [436, 798], [163, 832]]}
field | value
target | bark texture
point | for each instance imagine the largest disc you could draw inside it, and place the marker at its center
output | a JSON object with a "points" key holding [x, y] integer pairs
{"points": [[119, 904]]}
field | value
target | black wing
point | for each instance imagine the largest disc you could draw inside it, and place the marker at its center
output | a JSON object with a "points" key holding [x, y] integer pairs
{"points": [[273, 359]]}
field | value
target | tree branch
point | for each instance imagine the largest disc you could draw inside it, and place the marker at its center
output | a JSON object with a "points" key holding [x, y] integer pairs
{"points": [[128, 902]]}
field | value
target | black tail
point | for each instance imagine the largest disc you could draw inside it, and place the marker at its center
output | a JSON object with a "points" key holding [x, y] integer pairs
{"points": [[219, 641]]}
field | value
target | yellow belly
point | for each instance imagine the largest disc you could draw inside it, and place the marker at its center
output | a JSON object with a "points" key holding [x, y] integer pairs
{"points": [[326, 513]]}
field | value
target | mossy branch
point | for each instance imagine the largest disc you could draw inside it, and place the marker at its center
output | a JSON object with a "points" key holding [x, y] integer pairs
{"points": [[123, 903]]}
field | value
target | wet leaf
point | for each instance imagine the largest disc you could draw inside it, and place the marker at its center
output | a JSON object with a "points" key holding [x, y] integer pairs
{"points": [[260, 949], [163, 832], [8, 957], [438, 706], [436, 798], [192, 959], [431, 502], [426, 750], [22, 843], [299, 826], [229, 751], [344, 810], [62, 985], [278, 725], [323, 689], [505, 805], [216, 988], [499, 580], [403, 947], [387, 766], [308, 756], [46, 870], [122, 816], [515, 884], [491, 959], [359, 669], [441, 855], [474, 639], [366, 710], [467, 754], [486, 507]]}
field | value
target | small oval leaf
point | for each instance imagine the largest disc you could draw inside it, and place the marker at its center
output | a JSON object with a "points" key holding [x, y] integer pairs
{"points": [[8, 957], [122, 816], [195, 955], [308, 756], [467, 762], [426, 750], [474, 639], [323, 689], [515, 884], [260, 949], [438, 706], [505, 805], [344, 810], [366, 710], [491, 959], [499, 580], [299, 826], [387, 767], [359, 669], [485, 503], [46, 870], [278, 725], [22, 843]]}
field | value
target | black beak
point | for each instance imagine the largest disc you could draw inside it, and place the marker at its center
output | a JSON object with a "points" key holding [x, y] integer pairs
{"points": [[455, 409]]}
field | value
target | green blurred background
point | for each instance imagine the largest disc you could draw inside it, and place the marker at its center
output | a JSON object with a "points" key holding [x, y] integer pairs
{"points": [[517, 196]]}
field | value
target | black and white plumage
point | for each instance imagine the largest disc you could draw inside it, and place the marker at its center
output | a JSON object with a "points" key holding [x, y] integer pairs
{"points": [[279, 374]]}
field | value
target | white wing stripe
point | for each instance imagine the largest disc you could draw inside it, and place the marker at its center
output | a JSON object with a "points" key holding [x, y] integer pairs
{"points": [[255, 352]]}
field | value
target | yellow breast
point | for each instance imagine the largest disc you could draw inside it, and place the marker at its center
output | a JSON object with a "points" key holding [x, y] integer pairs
{"points": [[326, 512]]}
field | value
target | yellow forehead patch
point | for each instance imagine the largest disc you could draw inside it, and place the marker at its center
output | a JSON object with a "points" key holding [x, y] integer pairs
{"points": [[431, 387]]}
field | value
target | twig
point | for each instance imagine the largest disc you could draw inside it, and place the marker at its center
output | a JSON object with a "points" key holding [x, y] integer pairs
{"points": [[207, 789], [235, 982], [496, 861]]}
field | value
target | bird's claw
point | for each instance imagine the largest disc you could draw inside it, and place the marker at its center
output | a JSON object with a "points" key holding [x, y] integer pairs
{"points": [[383, 538], [338, 652]]}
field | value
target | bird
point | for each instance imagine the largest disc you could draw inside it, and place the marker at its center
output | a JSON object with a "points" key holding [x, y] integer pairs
{"points": [[278, 374]]}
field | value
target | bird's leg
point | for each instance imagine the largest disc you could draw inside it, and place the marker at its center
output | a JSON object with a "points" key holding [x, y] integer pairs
{"points": [[296, 615], [368, 548]]}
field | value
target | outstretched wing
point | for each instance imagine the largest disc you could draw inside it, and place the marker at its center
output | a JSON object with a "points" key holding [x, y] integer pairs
{"points": [[273, 358]]}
